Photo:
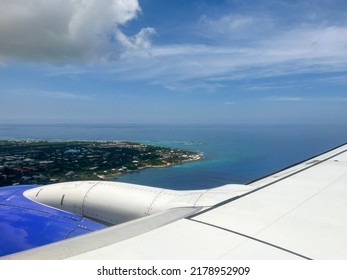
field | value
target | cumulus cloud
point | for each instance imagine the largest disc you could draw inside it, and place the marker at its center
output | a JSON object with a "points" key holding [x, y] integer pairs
{"points": [[138, 44], [66, 31]]}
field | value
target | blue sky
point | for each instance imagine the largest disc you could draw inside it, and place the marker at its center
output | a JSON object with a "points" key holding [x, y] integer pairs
{"points": [[173, 61]]}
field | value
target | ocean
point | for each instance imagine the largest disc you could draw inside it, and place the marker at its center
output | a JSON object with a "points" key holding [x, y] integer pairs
{"points": [[232, 153]]}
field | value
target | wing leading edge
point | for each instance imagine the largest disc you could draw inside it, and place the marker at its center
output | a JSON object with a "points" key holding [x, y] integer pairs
{"points": [[298, 213]]}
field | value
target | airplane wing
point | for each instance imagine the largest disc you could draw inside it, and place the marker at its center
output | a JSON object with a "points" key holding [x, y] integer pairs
{"points": [[297, 213]]}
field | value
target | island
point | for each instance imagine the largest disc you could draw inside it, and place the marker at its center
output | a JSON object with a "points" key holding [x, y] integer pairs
{"points": [[44, 162]]}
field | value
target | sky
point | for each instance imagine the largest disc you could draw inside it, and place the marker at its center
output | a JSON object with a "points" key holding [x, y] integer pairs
{"points": [[173, 61]]}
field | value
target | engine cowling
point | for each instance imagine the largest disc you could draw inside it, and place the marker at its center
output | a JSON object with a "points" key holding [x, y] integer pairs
{"points": [[115, 202]]}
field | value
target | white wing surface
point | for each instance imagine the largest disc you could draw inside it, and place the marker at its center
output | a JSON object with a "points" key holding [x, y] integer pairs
{"points": [[298, 213]]}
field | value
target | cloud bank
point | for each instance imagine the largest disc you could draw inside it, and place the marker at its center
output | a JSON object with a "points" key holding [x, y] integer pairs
{"points": [[67, 31]]}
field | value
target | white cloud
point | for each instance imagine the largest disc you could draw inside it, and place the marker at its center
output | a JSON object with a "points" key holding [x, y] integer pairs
{"points": [[59, 95], [288, 99], [229, 103], [228, 23], [136, 45], [320, 42], [321, 49], [337, 79], [322, 99], [233, 26], [47, 94], [64, 31]]}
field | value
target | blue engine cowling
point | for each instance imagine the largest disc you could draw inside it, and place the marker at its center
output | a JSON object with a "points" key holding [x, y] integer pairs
{"points": [[25, 224]]}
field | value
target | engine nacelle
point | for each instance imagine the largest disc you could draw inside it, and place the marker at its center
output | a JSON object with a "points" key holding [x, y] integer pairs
{"points": [[116, 202]]}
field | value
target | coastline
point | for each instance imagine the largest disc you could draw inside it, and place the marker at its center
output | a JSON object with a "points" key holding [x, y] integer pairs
{"points": [[43, 162], [115, 177]]}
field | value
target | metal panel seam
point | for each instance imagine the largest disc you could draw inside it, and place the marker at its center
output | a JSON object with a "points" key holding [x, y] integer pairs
{"points": [[150, 206], [85, 197], [250, 237]]}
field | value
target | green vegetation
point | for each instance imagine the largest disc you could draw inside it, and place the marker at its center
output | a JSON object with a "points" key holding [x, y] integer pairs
{"points": [[42, 162]]}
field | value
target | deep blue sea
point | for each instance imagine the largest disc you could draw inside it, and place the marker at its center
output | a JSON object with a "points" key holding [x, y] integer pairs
{"points": [[233, 153]]}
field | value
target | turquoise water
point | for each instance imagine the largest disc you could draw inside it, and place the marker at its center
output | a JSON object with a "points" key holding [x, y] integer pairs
{"points": [[232, 153]]}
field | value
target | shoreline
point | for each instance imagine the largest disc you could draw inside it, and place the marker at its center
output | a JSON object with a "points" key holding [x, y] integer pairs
{"points": [[117, 175], [43, 162]]}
